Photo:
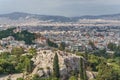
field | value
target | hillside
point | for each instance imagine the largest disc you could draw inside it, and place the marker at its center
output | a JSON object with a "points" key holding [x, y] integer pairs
{"points": [[29, 20], [44, 65], [18, 15]]}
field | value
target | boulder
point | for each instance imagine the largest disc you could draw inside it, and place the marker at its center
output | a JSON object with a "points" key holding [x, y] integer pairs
{"points": [[40, 73]]}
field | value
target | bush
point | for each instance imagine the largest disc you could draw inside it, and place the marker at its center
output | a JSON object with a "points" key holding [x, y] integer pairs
{"points": [[20, 79], [72, 78]]}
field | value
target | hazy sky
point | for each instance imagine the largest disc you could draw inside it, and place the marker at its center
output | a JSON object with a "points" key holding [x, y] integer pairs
{"points": [[61, 7]]}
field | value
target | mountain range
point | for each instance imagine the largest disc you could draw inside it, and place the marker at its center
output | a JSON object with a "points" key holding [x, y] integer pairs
{"points": [[18, 15]]}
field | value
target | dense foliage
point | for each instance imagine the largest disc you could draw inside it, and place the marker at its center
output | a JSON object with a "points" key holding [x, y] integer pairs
{"points": [[106, 65], [32, 51], [73, 78], [6, 33], [106, 72], [24, 36], [62, 46], [20, 36], [51, 43], [12, 63]]}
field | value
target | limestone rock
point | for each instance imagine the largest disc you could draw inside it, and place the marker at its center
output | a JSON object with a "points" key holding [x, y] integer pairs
{"points": [[40, 73], [68, 63]]}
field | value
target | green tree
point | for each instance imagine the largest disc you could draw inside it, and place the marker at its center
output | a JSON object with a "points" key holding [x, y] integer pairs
{"points": [[112, 46], [24, 64], [82, 71], [106, 72], [6, 33], [51, 43], [73, 78], [32, 51], [93, 61], [20, 79], [62, 46], [92, 44], [20, 36], [6, 67], [24, 36], [56, 71], [35, 77], [17, 51], [5, 55], [28, 65]]}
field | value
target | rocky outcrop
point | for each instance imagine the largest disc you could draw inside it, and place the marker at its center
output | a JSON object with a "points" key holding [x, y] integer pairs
{"points": [[68, 63], [40, 73]]}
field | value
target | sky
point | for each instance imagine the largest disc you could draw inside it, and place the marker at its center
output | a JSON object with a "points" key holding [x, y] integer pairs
{"points": [[61, 7]]}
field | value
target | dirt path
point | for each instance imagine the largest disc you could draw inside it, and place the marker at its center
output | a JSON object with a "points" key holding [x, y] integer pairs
{"points": [[13, 76]]}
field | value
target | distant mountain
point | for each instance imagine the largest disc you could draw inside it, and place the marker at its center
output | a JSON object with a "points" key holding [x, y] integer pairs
{"points": [[15, 15], [106, 17], [18, 15]]}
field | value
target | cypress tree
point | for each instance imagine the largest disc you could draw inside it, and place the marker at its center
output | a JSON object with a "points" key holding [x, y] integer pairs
{"points": [[82, 71], [28, 65], [56, 71]]}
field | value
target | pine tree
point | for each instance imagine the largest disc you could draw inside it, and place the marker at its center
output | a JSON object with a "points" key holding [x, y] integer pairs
{"points": [[56, 71]]}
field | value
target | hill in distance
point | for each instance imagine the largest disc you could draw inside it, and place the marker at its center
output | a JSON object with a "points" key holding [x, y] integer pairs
{"points": [[18, 15]]}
